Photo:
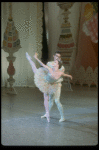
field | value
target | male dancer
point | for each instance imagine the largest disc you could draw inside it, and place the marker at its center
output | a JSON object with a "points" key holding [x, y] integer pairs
{"points": [[55, 96]]}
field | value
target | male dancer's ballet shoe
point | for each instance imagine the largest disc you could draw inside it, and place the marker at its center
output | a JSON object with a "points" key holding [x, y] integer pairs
{"points": [[62, 119]]}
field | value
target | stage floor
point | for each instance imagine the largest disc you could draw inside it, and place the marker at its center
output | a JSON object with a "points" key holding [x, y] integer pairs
{"points": [[21, 123]]}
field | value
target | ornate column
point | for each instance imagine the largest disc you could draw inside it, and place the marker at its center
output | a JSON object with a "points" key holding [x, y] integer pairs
{"points": [[11, 44], [66, 44]]}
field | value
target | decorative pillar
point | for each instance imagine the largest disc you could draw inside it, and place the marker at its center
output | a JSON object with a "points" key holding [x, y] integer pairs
{"points": [[66, 44], [11, 44]]}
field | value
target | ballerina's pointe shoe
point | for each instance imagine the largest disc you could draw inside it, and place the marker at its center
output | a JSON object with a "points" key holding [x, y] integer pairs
{"points": [[48, 119], [62, 119], [48, 116], [44, 116], [28, 56]]}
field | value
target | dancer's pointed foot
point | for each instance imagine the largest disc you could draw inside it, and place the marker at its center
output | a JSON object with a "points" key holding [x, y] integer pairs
{"points": [[48, 119], [46, 116], [28, 56], [62, 119]]}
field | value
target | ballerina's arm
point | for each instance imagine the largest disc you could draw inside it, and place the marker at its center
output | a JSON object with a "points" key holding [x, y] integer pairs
{"points": [[45, 66], [66, 75]]}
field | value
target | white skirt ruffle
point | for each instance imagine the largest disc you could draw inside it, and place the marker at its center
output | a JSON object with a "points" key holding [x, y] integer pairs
{"points": [[41, 82]]}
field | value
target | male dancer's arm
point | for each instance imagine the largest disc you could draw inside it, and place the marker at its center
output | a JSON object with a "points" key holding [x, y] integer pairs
{"points": [[67, 75]]}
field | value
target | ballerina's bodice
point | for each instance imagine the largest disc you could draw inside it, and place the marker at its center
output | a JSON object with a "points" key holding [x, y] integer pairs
{"points": [[50, 78]]}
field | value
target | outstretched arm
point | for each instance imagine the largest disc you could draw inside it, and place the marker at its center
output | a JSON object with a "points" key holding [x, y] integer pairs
{"points": [[66, 75], [45, 66]]}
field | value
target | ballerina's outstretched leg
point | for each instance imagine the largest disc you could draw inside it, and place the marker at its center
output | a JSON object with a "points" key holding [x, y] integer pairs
{"points": [[46, 97], [31, 62]]}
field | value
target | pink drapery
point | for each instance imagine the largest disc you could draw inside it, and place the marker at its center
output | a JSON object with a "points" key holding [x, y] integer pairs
{"points": [[86, 55]]}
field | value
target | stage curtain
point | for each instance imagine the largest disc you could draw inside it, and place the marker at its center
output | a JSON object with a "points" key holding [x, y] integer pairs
{"points": [[44, 40], [87, 44]]}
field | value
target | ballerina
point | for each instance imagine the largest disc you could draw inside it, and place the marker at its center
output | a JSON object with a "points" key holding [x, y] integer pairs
{"points": [[45, 78]]}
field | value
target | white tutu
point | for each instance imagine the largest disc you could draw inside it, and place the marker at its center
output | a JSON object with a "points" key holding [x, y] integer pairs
{"points": [[41, 82]]}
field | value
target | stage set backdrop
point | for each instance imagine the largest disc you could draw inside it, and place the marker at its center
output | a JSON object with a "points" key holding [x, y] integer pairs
{"points": [[27, 17], [83, 28], [85, 70]]}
